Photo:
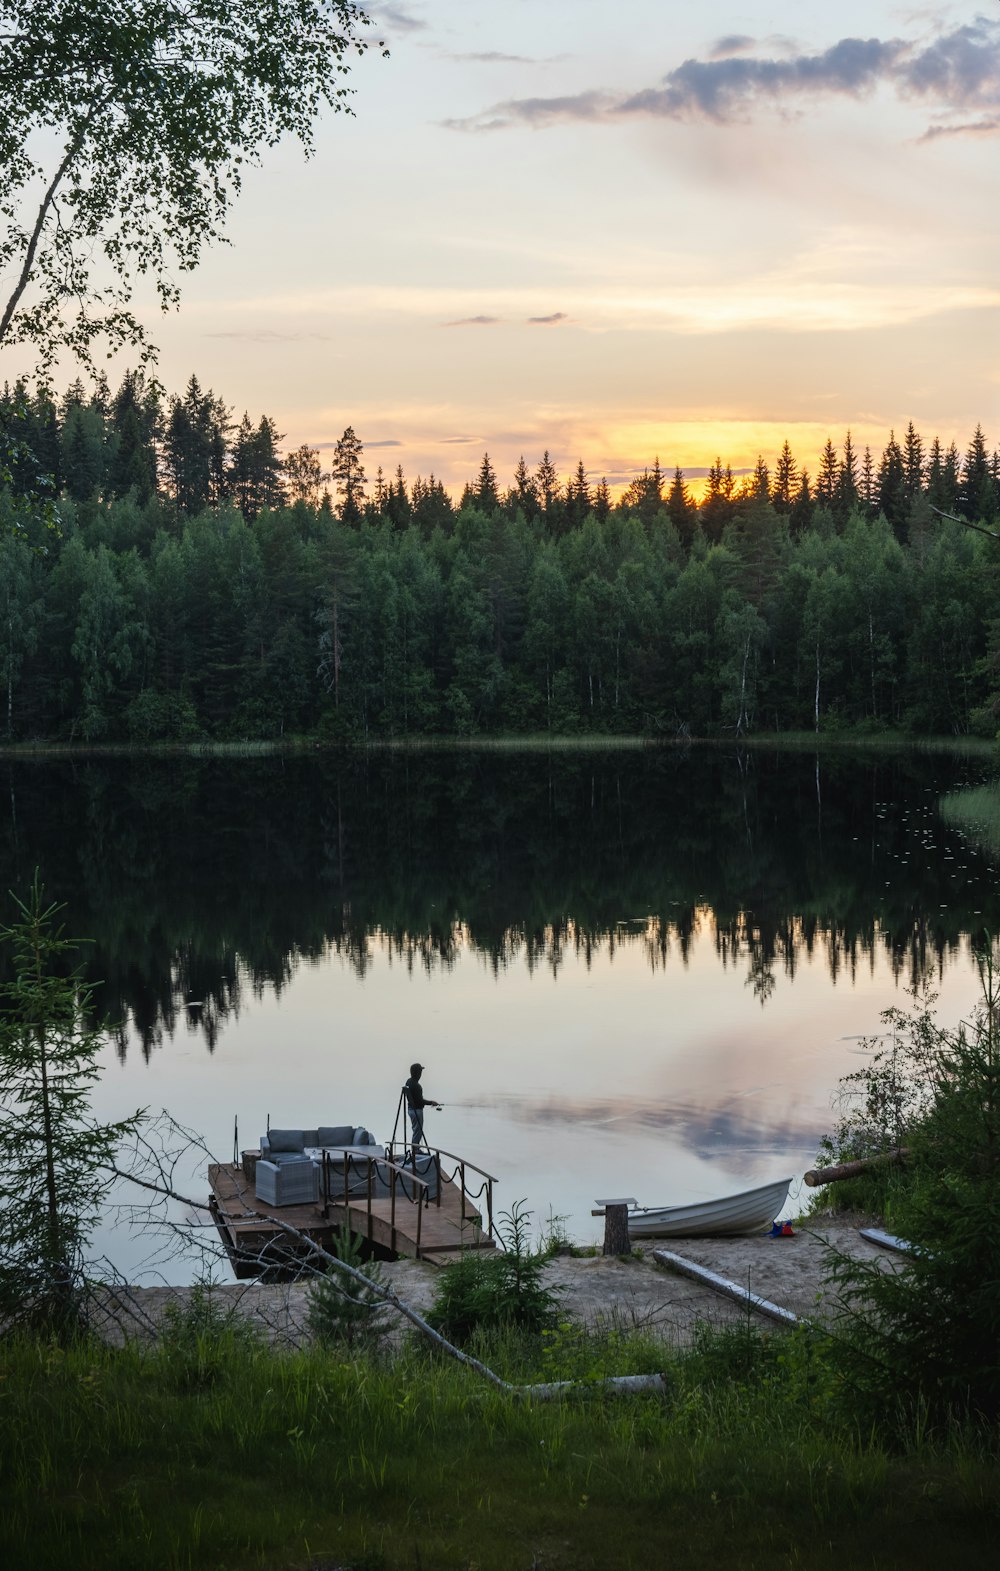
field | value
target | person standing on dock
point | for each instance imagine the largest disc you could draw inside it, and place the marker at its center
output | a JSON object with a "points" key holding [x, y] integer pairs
{"points": [[416, 1102]]}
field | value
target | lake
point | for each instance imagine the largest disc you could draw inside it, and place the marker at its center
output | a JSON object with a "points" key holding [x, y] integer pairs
{"points": [[633, 972]]}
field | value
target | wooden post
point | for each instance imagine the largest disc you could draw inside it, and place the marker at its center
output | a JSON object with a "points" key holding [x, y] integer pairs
{"points": [[615, 1211]]}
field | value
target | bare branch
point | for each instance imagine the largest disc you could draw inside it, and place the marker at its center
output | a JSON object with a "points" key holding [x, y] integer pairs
{"points": [[954, 519], [163, 1188]]}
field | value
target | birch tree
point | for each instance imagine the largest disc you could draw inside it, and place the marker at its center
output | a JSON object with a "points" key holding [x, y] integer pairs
{"points": [[125, 128]]}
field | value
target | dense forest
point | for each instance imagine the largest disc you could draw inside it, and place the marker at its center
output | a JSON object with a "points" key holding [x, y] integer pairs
{"points": [[169, 574]]}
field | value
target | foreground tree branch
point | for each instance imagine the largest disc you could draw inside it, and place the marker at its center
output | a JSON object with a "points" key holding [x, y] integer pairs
{"points": [[160, 1185], [965, 522]]}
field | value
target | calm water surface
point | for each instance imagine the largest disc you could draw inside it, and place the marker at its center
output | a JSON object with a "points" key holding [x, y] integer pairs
{"points": [[626, 973]]}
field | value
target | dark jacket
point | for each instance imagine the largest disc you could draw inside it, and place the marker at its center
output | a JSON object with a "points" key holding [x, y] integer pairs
{"points": [[415, 1095]]}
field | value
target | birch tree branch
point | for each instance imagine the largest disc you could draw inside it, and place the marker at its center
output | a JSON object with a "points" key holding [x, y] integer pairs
{"points": [[954, 519]]}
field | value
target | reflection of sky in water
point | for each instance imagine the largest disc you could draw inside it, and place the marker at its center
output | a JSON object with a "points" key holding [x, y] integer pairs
{"points": [[666, 1084]]}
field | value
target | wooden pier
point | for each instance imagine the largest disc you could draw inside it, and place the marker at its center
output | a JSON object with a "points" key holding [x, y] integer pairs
{"points": [[432, 1219]]}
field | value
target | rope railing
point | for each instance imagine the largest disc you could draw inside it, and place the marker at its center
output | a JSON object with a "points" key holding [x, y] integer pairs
{"points": [[398, 1176], [391, 1174]]}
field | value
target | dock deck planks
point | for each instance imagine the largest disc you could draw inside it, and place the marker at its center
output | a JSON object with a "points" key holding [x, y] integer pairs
{"points": [[242, 1221]]}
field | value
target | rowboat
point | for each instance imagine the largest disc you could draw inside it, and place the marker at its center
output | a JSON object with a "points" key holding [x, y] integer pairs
{"points": [[742, 1213]]}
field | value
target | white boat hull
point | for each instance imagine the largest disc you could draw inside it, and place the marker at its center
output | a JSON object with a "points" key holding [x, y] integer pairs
{"points": [[742, 1213]]}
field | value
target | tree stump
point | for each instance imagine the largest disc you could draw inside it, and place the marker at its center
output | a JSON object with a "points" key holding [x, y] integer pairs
{"points": [[616, 1239]]}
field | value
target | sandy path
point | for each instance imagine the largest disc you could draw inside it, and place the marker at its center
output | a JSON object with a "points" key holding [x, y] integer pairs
{"points": [[636, 1291]]}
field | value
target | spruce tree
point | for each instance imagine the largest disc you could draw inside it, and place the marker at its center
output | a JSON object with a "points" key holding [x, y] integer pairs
{"points": [[846, 493], [397, 503], [523, 495], [913, 462], [485, 491], [977, 497], [890, 492], [57, 1162], [785, 481], [826, 480], [681, 510]]}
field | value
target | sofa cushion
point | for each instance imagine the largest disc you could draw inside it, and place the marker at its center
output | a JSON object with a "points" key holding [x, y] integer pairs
{"points": [[335, 1135], [285, 1140], [287, 1158], [362, 1137]]}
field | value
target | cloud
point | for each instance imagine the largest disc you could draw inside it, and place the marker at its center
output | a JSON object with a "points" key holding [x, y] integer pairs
{"points": [[472, 321], [387, 442], [732, 44], [548, 321], [268, 335], [495, 57], [458, 441], [537, 112], [969, 128], [397, 17], [724, 90], [955, 72]]}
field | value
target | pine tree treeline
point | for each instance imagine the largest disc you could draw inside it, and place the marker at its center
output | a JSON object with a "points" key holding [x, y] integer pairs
{"points": [[203, 585]]}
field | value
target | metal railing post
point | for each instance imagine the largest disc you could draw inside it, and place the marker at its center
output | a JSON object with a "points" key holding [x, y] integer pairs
{"points": [[369, 1199]]}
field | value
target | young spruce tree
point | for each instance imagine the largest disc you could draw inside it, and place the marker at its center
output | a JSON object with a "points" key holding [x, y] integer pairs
{"points": [[56, 1167]]}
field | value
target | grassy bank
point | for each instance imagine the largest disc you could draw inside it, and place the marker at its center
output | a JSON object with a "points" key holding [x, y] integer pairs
{"points": [[861, 740], [211, 1451]]}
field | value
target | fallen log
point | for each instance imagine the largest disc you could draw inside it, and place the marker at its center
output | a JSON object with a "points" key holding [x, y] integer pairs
{"points": [[864, 1164], [722, 1284]]}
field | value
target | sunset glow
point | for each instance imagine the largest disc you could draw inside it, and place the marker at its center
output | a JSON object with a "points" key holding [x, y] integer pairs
{"points": [[673, 231]]}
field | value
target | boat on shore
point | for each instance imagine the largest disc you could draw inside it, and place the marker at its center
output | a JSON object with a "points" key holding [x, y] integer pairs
{"points": [[730, 1214]]}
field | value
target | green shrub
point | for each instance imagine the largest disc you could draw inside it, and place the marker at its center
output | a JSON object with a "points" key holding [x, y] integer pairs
{"points": [[197, 1342], [484, 1292]]}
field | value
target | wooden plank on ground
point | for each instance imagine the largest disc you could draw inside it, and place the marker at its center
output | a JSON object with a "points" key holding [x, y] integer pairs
{"points": [[875, 1235]]}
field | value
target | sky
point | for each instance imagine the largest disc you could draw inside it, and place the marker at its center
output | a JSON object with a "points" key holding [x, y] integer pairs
{"points": [[622, 232]]}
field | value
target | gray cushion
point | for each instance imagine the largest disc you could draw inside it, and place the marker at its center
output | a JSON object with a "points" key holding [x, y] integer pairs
{"points": [[362, 1137], [287, 1158], [285, 1140], [335, 1135]]}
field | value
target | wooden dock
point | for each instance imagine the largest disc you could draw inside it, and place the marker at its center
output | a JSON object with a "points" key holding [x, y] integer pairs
{"points": [[438, 1228]]}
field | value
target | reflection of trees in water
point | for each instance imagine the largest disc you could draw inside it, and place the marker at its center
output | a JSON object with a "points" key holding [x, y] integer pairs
{"points": [[202, 880]]}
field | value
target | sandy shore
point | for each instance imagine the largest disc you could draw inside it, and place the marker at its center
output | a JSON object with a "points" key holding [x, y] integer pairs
{"points": [[789, 1272]]}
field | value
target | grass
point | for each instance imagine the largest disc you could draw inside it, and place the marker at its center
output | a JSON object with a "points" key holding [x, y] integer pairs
{"points": [[212, 1451], [975, 813]]}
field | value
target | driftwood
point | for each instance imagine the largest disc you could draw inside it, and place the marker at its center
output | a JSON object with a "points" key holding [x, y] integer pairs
{"points": [[830, 1175]]}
